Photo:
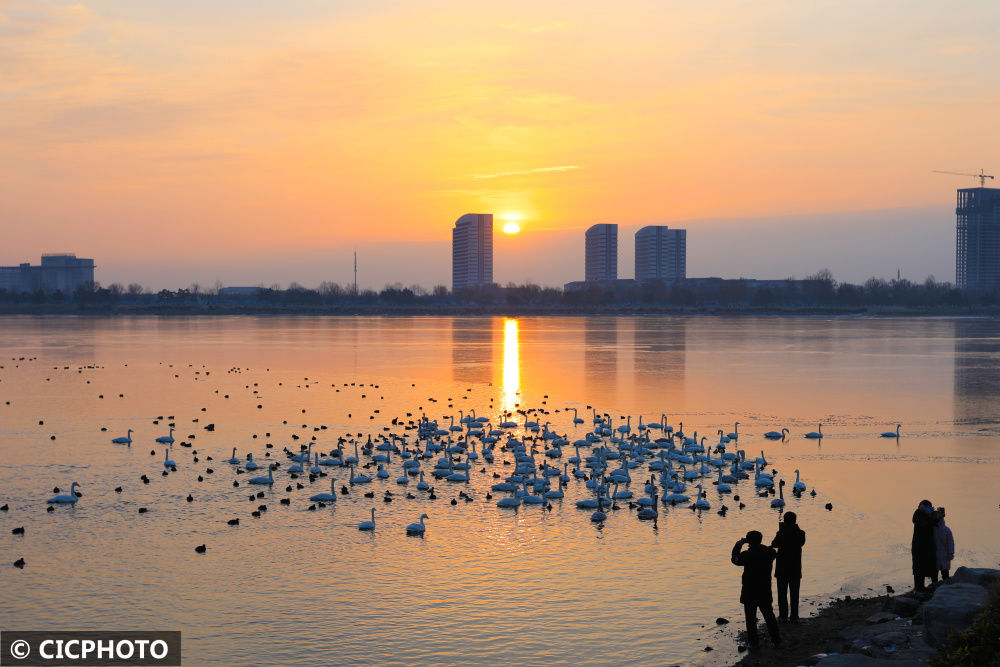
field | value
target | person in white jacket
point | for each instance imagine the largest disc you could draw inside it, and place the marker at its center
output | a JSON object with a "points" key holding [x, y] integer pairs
{"points": [[944, 544]]}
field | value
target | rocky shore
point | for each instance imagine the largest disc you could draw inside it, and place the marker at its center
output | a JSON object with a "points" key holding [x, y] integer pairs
{"points": [[894, 630]]}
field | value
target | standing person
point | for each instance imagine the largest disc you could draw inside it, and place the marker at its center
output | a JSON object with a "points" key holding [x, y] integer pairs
{"points": [[922, 546], [756, 593], [788, 567], [944, 545]]}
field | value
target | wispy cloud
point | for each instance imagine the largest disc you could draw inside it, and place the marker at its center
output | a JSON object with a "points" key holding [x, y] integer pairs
{"points": [[522, 172]]}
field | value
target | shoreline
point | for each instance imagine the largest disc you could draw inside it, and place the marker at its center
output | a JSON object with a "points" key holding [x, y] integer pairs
{"points": [[470, 310]]}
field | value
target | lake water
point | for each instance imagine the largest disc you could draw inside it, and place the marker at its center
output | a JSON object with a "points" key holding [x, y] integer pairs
{"points": [[485, 585]]}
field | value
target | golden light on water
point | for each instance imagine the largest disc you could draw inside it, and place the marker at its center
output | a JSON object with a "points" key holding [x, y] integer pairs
{"points": [[511, 365]]}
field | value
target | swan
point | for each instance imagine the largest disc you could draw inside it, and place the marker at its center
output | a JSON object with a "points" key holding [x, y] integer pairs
{"points": [[358, 479], [576, 417], [649, 512], [701, 503], [295, 468], [780, 500], [509, 502], [233, 459], [167, 462], [303, 457], [891, 434], [368, 525], [251, 464], [327, 497], [422, 485], [817, 434], [735, 435], [417, 528], [123, 440], [166, 439], [776, 435], [65, 497], [263, 480], [316, 469], [722, 487], [798, 486]]}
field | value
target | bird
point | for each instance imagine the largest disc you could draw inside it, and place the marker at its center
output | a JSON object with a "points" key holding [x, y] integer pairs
{"points": [[263, 480], [892, 434], [17, 531], [780, 500], [19, 563], [166, 439], [200, 549], [814, 435], [124, 439], [234, 522], [417, 528], [798, 486], [167, 462], [327, 497], [776, 435], [368, 525], [829, 507], [70, 497]]}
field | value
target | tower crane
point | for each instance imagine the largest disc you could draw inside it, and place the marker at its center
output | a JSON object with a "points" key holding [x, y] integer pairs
{"points": [[981, 176]]}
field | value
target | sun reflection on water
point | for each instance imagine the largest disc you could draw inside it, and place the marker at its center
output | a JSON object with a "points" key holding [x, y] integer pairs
{"points": [[511, 365]]}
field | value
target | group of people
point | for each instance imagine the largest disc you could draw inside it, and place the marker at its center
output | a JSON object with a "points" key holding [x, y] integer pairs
{"points": [[785, 553], [933, 546], [933, 549]]}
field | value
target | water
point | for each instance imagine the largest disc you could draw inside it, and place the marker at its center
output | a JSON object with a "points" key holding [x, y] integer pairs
{"points": [[484, 585]]}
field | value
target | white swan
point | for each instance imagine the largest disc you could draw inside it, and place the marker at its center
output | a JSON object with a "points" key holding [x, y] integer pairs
{"points": [[776, 435], [167, 461], [263, 480], [123, 440], [251, 464], [304, 457], [815, 434], [417, 528], [327, 497], [701, 503], [65, 497], [780, 500], [576, 417], [233, 459], [891, 434], [735, 435], [368, 525], [166, 439], [509, 502], [798, 486]]}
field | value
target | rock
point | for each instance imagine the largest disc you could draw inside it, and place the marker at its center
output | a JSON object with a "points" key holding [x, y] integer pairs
{"points": [[953, 607], [903, 605], [981, 576], [881, 617], [887, 639], [855, 660]]}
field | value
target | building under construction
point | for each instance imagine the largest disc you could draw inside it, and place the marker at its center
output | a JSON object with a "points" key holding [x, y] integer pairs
{"points": [[977, 243]]}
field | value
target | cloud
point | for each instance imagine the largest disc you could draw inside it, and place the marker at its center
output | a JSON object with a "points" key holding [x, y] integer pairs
{"points": [[523, 172]]}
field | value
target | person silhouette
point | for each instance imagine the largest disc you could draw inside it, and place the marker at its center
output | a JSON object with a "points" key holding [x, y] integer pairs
{"points": [[922, 547], [944, 544], [788, 566], [756, 592]]}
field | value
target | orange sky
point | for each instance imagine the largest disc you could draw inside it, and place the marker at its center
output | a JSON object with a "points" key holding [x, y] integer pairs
{"points": [[166, 133]]}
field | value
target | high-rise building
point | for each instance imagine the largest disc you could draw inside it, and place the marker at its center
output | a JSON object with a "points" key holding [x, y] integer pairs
{"points": [[472, 251], [660, 254], [601, 254], [977, 239], [57, 272]]}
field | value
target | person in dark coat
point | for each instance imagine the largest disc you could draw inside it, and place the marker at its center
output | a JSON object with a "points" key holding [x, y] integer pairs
{"points": [[756, 593], [788, 566], [922, 546]]}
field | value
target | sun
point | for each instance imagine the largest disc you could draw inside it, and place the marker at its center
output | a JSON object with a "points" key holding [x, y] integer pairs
{"points": [[511, 228]]}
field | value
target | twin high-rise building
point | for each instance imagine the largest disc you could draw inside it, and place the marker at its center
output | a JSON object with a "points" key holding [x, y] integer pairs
{"points": [[660, 253], [472, 251], [601, 253], [977, 242]]}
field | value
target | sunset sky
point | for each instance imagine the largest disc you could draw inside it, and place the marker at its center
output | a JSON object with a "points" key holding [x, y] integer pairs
{"points": [[251, 141]]}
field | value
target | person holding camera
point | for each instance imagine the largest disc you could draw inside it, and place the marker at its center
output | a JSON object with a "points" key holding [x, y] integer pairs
{"points": [[756, 562]]}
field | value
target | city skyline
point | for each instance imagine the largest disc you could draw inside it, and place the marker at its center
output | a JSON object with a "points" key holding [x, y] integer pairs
{"points": [[259, 141]]}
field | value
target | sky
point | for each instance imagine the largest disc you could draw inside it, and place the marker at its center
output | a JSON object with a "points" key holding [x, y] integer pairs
{"points": [[254, 142]]}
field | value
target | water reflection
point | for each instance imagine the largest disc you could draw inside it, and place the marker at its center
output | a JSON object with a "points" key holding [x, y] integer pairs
{"points": [[511, 365], [660, 346], [472, 349], [977, 372], [600, 354]]}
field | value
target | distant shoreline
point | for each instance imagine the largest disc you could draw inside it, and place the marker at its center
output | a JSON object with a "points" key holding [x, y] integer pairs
{"points": [[458, 310]]}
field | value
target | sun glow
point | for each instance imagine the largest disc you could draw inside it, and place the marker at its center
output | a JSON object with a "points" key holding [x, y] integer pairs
{"points": [[511, 366], [511, 228]]}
